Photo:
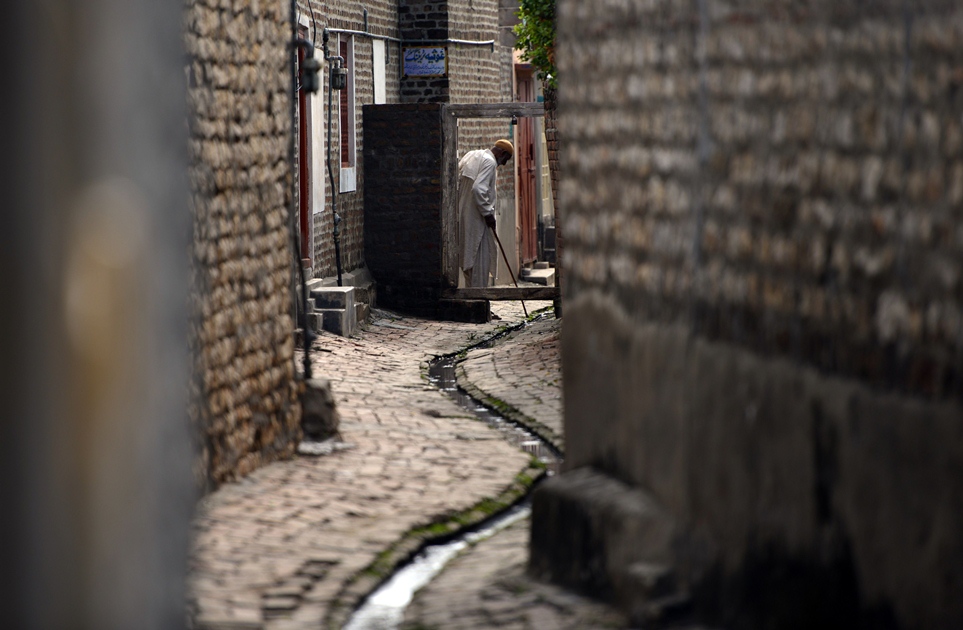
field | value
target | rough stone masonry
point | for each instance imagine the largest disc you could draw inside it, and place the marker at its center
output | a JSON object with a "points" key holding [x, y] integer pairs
{"points": [[763, 212], [244, 404]]}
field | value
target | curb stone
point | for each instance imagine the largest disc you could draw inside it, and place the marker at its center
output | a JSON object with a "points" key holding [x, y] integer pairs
{"points": [[500, 406]]}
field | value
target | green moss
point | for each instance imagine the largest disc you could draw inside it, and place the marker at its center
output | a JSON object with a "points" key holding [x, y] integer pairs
{"points": [[539, 464]]}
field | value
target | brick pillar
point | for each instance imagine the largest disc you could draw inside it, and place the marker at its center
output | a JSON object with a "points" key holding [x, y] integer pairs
{"points": [[403, 204]]}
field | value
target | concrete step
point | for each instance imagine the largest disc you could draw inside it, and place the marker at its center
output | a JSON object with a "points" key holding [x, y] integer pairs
{"points": [[539, 276], [333, 297], [339, 321]]}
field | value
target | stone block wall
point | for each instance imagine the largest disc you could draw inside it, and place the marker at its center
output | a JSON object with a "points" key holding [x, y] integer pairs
{"points": [[244, 405], [805, 201], [762, 210], [403, 203]]}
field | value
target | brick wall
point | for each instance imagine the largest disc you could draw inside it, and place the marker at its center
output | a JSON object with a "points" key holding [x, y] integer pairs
{"points": [[423, 22], [245, 407], [764, 307], [481, 74], [475, 75], [382, 21], [403, 146]]}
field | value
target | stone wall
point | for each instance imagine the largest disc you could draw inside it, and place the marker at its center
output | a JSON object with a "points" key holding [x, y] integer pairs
{"points": [[245, 405], [807, 204], [764, 311]]}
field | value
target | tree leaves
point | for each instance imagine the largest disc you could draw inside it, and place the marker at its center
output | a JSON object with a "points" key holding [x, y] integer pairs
{"points": [[536, 38]]}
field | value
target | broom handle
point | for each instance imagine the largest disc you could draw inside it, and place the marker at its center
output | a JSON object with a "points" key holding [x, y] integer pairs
{"points": [[510, 272]]}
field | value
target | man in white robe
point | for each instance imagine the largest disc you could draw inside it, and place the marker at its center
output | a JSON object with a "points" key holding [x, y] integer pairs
{"points": [[476, 203]]}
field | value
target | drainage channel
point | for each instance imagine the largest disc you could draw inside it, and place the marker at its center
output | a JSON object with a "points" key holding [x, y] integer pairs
{"points": [[384, 609]]}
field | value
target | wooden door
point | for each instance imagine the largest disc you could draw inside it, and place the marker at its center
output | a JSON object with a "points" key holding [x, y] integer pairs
{"points": [[525, 163]]}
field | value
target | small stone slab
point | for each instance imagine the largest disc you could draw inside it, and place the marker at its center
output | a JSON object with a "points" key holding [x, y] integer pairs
{"points": [[333, 297]]}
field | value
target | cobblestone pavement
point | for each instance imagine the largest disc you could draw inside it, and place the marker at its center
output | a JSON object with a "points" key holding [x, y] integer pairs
{"points": [[276, 549], [486, 587], [523, 371]]}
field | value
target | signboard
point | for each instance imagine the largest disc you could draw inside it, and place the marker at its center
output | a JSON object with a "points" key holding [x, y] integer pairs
{"points": [[426, 61]]}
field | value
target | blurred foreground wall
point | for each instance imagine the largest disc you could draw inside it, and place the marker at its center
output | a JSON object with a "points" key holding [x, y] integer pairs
{"points": [[763, 334], [94, 453], [244, 401]]}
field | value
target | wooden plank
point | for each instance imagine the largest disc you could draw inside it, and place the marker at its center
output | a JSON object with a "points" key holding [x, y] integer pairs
{"points": [[495, 110], [502, 293]]}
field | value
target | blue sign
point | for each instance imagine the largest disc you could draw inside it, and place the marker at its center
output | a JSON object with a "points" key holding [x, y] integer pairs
{"points": [[423, 61]]}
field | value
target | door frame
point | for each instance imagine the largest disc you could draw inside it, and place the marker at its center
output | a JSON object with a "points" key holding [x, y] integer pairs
{"points": [[304, 154], [450, 221]]}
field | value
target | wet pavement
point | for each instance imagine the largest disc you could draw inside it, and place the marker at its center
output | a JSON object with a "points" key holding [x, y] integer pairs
{"points": [[294, 544], [523, 370], [486, 587]]}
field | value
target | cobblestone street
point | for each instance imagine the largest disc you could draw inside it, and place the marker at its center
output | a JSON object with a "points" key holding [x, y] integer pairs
{"points": [[297, 543], [487, 587]]}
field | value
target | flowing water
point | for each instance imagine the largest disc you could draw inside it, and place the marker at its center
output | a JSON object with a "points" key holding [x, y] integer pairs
{"points": [[384, 609]]}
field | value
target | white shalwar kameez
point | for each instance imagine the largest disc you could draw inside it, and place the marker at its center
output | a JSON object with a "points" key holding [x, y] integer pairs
{"points": [[476, 200]]}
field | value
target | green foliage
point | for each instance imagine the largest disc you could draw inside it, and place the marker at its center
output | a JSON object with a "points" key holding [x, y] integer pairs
{"points": [[536, 38]]}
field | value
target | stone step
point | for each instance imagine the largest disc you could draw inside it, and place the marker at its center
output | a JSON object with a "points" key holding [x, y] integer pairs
{"points": [[338, 321], [539, 276], [333, 297]]}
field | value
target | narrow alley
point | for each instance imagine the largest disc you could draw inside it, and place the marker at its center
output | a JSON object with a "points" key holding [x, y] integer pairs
{"points": [[300, 543], [266, 357]]}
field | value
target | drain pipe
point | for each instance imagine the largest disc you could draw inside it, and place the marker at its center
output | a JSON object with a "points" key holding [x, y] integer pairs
{"points": [[337, 79], [309, 81]]}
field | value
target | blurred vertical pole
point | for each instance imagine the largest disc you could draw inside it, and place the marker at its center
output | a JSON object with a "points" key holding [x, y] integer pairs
{"points": [[94, 450]]}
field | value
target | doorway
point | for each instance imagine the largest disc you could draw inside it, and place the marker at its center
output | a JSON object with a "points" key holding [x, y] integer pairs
{"points": [[525, 163]]}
